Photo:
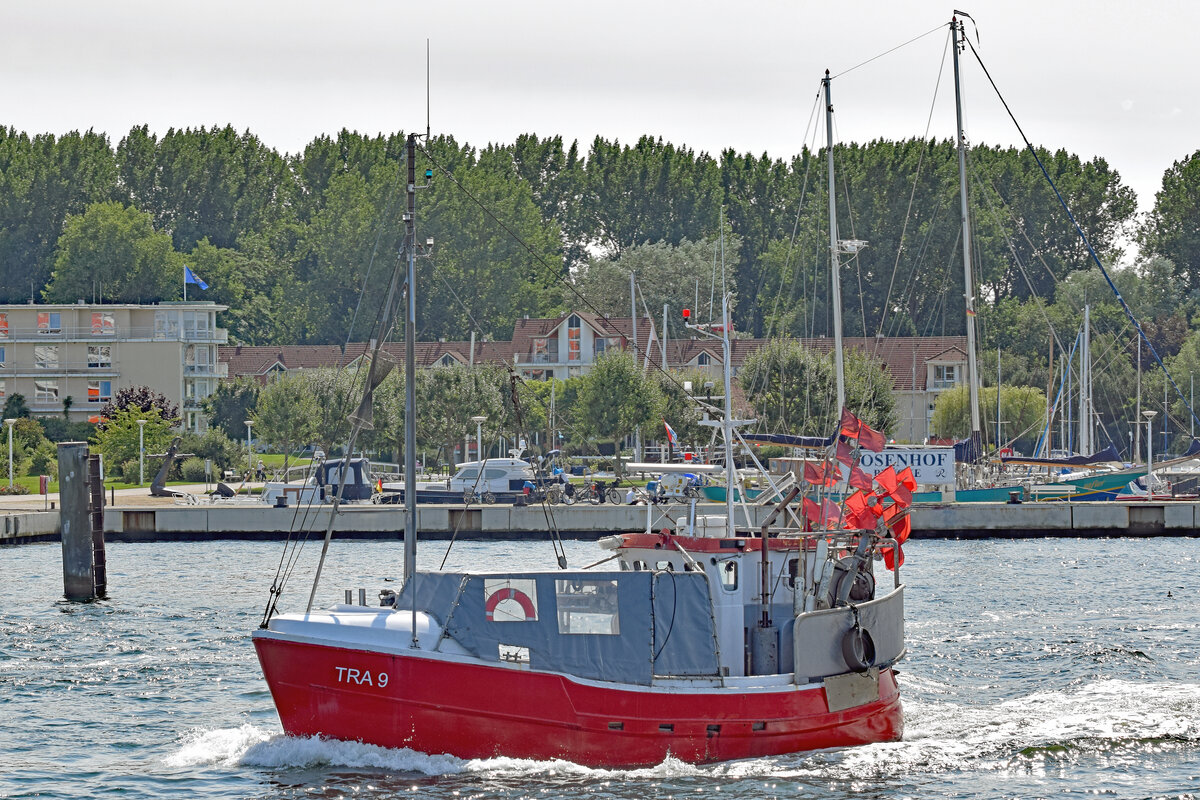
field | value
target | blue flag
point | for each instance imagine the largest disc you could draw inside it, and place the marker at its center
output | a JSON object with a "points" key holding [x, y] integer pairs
{"points": [[190, 277]]}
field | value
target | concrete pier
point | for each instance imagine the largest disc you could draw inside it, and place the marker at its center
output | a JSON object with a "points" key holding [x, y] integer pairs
{"points": [[170, 522]]}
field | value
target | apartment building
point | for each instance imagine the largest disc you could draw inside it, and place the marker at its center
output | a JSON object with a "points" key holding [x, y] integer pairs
{"points": [[86, 352]]}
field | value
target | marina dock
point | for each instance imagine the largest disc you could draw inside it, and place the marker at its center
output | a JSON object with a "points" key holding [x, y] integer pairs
{"points": [[167, 521]]}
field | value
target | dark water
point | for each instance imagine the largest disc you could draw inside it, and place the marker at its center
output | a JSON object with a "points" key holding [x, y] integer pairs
{"points": [[1049, 669]]}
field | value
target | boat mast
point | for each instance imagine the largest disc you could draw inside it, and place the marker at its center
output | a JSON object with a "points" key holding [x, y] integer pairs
{"points": [[410, 370], [968, 290], [1086, 446], [833, 256]]}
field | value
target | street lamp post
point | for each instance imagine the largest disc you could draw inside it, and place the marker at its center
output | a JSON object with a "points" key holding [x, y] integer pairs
{"points": [[10, 423], [249, 451], [1149, 415], [141, 451], [479, 420]]}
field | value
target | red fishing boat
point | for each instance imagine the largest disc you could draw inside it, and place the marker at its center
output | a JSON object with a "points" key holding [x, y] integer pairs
{"points": [[703, 641]]}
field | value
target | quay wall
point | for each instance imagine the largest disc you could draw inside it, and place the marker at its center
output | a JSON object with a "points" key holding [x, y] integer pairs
{"points": [[250, 521]]}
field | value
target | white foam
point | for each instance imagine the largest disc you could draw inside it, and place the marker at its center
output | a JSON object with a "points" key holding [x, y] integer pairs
{"points": [[225, 746]]}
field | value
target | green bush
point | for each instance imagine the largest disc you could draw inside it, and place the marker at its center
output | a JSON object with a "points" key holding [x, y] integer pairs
{"points": [[43, 462], [128, 471], [193, 470]]}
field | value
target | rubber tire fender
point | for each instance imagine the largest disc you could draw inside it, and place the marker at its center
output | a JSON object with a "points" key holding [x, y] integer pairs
{"points": [[858, 649]]}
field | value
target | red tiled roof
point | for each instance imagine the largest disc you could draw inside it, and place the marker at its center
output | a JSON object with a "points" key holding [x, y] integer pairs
{"points": [[904, 357]]}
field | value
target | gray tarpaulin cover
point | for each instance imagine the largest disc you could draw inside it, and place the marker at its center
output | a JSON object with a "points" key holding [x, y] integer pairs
{"points": [[617, 626]]}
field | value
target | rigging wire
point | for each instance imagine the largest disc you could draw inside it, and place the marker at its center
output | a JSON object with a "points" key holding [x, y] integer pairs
{"points": [[889, 52], [913, 194], [1086, 241]]}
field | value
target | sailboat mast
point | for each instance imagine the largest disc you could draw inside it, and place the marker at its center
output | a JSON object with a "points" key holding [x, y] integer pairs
{"points": [[410, 370], [968, 289], [836, 280], [1085, 386]]}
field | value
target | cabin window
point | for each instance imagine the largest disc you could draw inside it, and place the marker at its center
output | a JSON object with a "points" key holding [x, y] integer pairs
{"points": [[665, 565], [510, 599], [467, 474], [587, 606], [793, 571], [494, 474], [729, 575]]}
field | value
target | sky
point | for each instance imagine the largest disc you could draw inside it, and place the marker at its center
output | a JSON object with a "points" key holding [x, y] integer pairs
{"points": [[1118, 80]]}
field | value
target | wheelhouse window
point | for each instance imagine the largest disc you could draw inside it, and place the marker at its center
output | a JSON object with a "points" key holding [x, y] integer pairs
{"points": [[587, 607], [729, 575]]}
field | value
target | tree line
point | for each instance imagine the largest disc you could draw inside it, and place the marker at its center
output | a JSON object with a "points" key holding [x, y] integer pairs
{"points": [[539, 226]]}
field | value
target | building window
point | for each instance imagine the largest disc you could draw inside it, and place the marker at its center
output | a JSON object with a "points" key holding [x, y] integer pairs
{"points": [[45, 356], [3, 391], [601, 345], [99, 356], [945, 376], [45, 391], [99, 391], [103, 324], [195, 325], [166, 325], [3, 360], [3, 326], [446, 361], [49, 322], [95, 419], [573, 338], [703, 360]]}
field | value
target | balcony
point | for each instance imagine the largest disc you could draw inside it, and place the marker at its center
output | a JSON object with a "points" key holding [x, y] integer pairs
{"points": [[206, 370], [538, 358], [176, 334], [67, 333], [35, 369]]}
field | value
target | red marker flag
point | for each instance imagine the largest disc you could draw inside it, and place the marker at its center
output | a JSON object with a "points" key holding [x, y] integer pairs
{"points": [[849, 423], [871, 439], [844, 454], [860, 479]]}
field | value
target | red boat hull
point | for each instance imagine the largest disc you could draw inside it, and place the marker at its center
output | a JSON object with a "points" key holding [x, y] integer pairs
{"points": [[480, 711]]}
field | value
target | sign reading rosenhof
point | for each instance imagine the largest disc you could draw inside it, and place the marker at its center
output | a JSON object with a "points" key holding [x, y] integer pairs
{"points": [[930, 465]]}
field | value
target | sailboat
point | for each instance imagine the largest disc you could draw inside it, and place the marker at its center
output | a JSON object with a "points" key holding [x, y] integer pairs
{"points": [[707, 642]]}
